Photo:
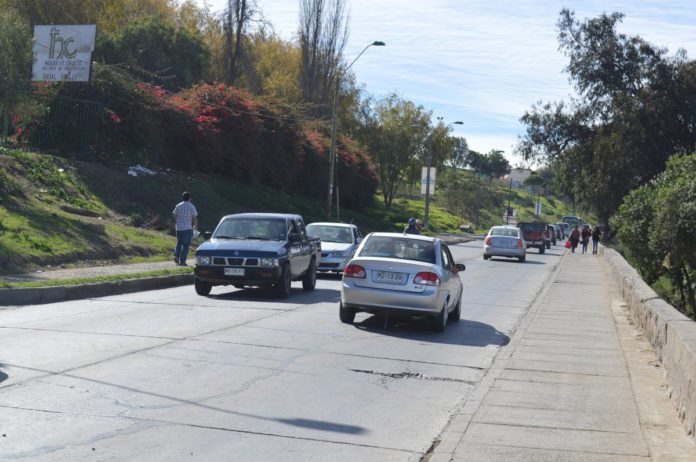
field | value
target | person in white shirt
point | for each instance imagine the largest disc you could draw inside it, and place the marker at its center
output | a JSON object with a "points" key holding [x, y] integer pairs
{"points": [[186, 217]]}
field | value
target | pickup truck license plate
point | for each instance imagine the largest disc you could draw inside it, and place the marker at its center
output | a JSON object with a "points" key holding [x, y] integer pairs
{"points": [[389, 277], [234, 271]]}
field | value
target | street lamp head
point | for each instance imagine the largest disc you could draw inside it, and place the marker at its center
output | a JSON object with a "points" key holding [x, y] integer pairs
{"points": [[377, 43], [458, 122]]}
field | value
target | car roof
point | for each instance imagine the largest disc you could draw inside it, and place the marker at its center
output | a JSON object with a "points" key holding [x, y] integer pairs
{"points": [[264, 215], [419, 237], [328, 223]]}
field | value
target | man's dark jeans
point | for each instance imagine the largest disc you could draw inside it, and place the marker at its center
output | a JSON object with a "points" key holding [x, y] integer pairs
{"points": [[183, 242]]}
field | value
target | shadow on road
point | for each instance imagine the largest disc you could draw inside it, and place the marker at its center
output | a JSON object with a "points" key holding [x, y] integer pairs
{"points": [[464, 332], [517, 262], [297, 295], [322, 425], [3, 376]]}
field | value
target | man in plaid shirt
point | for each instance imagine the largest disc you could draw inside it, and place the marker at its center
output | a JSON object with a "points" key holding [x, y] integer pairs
{"points": [[186, 217]]}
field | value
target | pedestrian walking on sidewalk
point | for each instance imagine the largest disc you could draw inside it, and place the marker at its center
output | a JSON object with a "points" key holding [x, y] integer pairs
{"points": [[586, 233], [186, 217], [574, 238], [596, 234]]}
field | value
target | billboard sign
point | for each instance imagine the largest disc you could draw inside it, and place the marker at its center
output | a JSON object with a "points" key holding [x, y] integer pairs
{"points": [[63, 53], [425, 181]]}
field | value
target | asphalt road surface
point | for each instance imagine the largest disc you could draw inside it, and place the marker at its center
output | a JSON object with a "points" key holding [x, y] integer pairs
{"points": [[239, 375]]}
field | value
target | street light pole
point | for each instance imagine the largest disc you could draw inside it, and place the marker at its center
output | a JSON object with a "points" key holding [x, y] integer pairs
{"points": [[427, 171], [332, 146]]}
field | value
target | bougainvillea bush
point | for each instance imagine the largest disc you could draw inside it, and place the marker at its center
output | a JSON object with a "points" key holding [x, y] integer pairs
{"points": [[208, 128]]}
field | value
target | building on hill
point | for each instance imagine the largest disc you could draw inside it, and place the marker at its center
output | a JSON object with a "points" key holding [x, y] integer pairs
{"points": [[517, 176]]}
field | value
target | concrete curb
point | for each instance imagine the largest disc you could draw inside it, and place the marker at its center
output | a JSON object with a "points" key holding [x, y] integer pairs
{"points": [[672, 335], [41, 295]]}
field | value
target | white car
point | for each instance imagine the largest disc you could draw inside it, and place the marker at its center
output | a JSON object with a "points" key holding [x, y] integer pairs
{"points": [[338, 244], [505, 241], [403, 274]]}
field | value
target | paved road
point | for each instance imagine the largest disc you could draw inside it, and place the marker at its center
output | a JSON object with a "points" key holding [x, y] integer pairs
{"points": [[240, 375]]}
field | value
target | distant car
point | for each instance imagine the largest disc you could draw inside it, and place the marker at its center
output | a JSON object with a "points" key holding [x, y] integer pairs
{"points": [[404, 274], [561, 230], [552, 235], [338, 244], [534, 235], [505, 241]]}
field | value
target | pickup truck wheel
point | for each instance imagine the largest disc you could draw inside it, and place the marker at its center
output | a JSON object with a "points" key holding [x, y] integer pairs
{"points": [[202, 287], [346, 315], [522, 259], [542, 249], [282, 286], [309, 281], [548, 244], [486, 257]]}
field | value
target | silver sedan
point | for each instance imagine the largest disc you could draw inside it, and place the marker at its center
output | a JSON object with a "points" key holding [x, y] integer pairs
{"points": [[505, 241], [405, 274]]}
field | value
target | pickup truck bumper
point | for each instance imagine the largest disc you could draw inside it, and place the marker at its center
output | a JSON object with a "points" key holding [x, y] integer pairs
{"points": [[253, 276]]}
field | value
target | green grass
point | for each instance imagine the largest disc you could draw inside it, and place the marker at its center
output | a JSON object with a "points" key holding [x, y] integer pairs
{"points": [[46, 203], [92, 280]]}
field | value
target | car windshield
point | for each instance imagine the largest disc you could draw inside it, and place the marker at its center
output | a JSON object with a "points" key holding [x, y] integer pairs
{"points": [[401, 248], [509, 232], [270, 229], [330, 233]]}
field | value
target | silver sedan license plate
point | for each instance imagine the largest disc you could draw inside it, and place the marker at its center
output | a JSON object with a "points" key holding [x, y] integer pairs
{"points": [[389, 277], [234, 271]]}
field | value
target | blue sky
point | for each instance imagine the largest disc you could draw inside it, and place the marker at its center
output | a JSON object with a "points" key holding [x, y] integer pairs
{"points": [[481, 62]]}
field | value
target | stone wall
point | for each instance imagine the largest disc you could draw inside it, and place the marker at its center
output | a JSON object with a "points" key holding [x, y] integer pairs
{"points": [[672, 334]]}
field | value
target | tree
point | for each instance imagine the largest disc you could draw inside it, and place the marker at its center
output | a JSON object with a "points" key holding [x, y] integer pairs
{"points": [[655, 226], [323, 34], [395, 132], [636, 108], [15, 58], [171, 56], [238, 15]]}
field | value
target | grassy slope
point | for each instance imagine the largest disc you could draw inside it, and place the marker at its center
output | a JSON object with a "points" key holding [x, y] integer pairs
{"points": [[44, 199]]}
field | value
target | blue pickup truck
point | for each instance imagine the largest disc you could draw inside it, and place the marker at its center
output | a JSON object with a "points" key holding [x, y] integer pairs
{"points": [[258, 250]]}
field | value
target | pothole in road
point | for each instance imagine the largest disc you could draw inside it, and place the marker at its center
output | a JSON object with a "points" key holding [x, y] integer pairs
{"points": [[412, 375]]}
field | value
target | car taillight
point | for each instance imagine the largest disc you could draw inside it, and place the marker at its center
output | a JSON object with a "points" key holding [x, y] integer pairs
{"points": [[519, 242], [488, 240], [427, 278], [354, 271]]}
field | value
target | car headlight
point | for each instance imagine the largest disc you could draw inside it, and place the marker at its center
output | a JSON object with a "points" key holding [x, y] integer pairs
{"points": [[268, 261], [202, 260]]}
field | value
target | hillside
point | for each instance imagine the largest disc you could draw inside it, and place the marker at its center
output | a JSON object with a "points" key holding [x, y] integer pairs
{"points": [[55, 211]]}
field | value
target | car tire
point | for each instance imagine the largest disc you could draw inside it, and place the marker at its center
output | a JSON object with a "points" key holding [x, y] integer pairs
{"points": [[202, 287], [346, 315], [457, 313], [523, 259], [486, 257], [282, 286], [440, 322], [542, 249], [309, 281]]}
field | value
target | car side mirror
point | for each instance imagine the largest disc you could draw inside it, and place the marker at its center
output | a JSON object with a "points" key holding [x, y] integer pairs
{"points": [[207, 235], [358, 240], [460, 267]]}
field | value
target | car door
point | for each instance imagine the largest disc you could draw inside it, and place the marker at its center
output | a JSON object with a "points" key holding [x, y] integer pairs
{"points": [[451, 277], [301, 251]]}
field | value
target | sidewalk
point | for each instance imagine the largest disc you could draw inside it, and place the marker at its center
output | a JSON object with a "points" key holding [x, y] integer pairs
{"points": [[576, 383]]}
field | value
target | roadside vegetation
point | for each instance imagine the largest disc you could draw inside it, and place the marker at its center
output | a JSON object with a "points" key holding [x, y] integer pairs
{"points": [[219, 105]]}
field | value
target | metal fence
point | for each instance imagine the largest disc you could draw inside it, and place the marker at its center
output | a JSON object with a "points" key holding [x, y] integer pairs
{"points": [[69, 127]]}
